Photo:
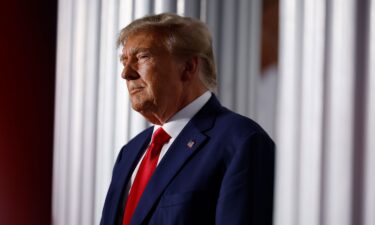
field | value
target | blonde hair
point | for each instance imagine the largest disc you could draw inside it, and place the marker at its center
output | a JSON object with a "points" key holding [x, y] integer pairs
{"points": [[182, 36]]}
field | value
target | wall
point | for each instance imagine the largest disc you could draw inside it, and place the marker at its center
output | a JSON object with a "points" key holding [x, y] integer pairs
{"points": [[27, 80]]}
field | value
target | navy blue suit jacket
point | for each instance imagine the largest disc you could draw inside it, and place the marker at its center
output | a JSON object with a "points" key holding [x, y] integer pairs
{"points": [[225, 178]]}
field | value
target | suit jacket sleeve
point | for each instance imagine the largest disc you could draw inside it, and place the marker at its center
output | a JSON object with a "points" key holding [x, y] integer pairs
{"points": [[246, 193]]}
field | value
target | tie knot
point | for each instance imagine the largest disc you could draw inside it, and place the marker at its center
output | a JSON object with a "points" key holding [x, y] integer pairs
{"points": [[160, 137]]}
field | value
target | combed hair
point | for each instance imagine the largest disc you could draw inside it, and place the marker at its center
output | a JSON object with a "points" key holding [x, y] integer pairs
{"points": [[183, 36]]}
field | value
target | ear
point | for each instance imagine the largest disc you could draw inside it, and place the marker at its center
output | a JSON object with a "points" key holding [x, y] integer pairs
{"points": [[190, 69]]}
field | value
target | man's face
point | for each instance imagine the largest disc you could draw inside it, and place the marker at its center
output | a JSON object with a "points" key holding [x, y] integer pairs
{"points": [[153, 76]]}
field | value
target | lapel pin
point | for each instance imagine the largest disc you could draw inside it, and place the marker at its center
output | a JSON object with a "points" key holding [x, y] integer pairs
{"points": [[191, 143]]}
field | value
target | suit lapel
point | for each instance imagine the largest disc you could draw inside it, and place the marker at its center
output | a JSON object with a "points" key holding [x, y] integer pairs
{"points": [[127, 163], [190, 140]]}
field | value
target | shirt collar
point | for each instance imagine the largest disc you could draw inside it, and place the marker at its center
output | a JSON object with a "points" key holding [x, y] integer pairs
{"points": [[178, 121]]}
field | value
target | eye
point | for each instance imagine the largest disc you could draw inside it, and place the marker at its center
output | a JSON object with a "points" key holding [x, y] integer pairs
{"points": [[143, 56]]}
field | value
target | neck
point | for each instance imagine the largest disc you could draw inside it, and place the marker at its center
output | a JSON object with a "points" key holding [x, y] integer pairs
{"points": [[160, 117]]}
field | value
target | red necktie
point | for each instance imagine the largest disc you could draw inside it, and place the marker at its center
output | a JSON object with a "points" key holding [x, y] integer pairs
{"points": [[145, 171]]}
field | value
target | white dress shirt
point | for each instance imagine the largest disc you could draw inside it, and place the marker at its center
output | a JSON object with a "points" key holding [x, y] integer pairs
{"points": [[175, 125]]}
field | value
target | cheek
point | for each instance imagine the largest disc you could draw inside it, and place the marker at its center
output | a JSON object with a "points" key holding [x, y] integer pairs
{"points": [[147, 74], [143, 71]]}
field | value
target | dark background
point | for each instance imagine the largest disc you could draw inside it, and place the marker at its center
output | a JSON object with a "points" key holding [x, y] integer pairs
{"points": [[27, 86]]}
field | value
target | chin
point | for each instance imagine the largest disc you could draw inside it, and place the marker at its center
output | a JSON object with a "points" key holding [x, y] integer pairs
{"points": [[137, 107], [141, 107], [137, 102]]}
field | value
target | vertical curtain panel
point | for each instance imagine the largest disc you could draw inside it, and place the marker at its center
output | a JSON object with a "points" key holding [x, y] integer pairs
{"points": [[325, 119]]}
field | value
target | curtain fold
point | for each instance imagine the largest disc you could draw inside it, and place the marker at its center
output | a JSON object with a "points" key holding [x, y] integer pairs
{"points": [[324, 113], [369, 155]]}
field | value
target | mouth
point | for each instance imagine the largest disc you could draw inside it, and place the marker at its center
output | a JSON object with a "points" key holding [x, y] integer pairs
{"points": [[135, 90]]}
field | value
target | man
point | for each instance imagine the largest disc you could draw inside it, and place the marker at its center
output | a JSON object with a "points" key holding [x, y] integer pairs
{"points": [[200, 163]]}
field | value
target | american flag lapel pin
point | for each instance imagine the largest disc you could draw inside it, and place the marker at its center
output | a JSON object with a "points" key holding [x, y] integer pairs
{"points": [[191, 143]]}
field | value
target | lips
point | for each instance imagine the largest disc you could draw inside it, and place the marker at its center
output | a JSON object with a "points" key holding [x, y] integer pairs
{"points": [[135, 90]]}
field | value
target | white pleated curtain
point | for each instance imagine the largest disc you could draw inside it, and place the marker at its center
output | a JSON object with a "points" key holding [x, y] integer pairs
{"points": [[93, 118], [326, 113]]}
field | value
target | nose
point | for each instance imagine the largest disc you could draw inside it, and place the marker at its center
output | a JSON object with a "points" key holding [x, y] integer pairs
{"points": [[129, 72]]}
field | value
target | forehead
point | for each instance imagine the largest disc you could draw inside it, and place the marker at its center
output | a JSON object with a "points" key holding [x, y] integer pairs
{"points": [[144, 40]]}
